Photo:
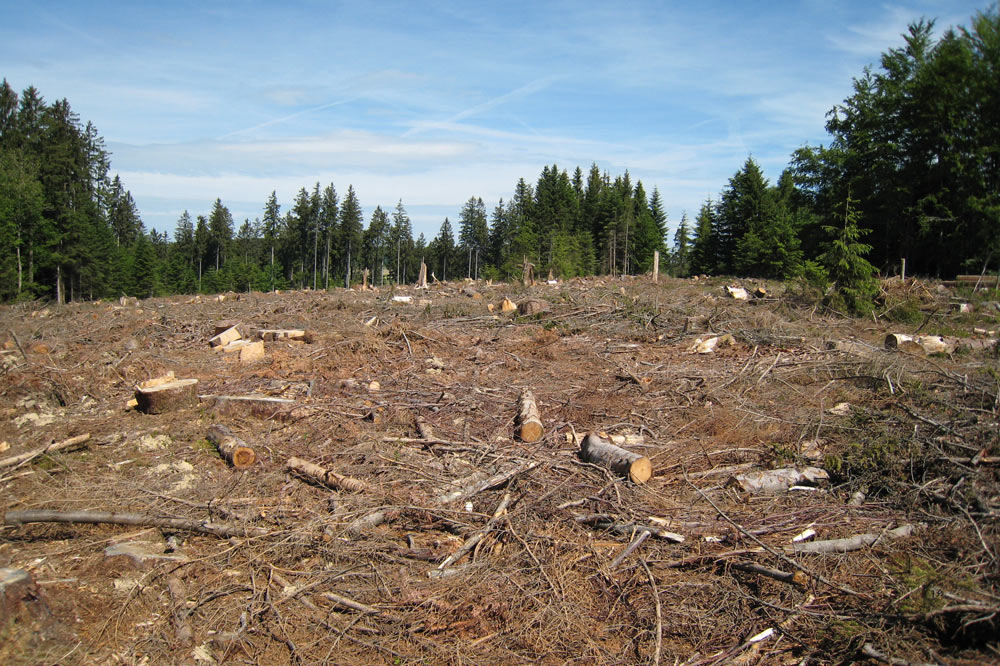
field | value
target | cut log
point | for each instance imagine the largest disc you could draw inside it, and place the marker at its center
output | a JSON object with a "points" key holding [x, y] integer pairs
{"points": [[169, 397], [221, 326], [236, 452], [531, 424], [926, 344], [624, 441], [261, 406], [856, 542], [759, 292], [778, 480], [507, 306], [594, 449], [289, 334], [739, 293], [34, 453], [324, 476], [225, 337]]}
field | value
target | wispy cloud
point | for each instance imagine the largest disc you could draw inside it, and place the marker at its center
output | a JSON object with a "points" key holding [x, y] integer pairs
{"points": [[285, 119]]}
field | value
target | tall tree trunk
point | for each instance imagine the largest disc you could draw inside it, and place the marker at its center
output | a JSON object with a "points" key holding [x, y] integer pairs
{"points": [[315, 252], [347, 274], [59, 293], [272, 267], [19, 278]]}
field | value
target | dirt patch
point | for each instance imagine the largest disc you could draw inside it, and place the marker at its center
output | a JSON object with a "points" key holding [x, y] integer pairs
{"points": [[420, 403]]}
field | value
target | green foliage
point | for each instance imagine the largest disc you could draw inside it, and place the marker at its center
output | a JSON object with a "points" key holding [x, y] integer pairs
{"points": [[852, 274]]}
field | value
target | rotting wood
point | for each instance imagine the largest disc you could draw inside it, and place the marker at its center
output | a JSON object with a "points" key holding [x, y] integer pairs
{"points": [[777, 480], [531, 424], [168, 397], [598, 451], [325, 476], [114, 518], [13, 461], [856, 542], [237, 453]]}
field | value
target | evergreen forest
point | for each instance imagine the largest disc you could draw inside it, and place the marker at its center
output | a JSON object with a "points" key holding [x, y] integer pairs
{"points": [[911, 171]]}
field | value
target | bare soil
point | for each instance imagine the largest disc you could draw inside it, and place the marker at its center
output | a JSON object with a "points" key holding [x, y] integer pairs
{"points": [[326, 575]]}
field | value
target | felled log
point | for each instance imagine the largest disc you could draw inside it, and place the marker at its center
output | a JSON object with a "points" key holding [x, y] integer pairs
{"points": [[289, 334], [928, 344], [225, 337], [142, 520], [178, 600], [793, 578], [738, 293], [262, 406], [531, 424], [594, 449], [624, 441], [169, 397], [777, 480], [324, 476], [34, 453], [237, 453], [856, 542]]}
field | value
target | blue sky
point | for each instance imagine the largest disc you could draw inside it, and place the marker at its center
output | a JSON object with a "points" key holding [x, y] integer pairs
{"points": [[434, 102]]}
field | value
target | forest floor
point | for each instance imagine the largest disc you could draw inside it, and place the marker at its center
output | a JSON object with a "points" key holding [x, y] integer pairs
{"points": [[311, 574]]}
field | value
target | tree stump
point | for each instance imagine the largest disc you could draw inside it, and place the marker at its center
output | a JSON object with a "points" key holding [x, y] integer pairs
{"points": [[599, 451], [236, 452], [169, 397], [20, 598]]}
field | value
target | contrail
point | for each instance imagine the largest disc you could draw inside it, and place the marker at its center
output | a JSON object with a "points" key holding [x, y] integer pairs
{"points": [[526, 89], [275, 121]]}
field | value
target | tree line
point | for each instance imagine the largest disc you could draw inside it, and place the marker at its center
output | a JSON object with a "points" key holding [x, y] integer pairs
{"points": [[912, 171]]}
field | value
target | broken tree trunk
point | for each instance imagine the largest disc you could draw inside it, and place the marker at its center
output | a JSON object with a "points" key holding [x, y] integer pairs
{"points": [[20, 598], [55, 446], [531, 424], [169, 397], [594, 449], [236, 452], [324, 476]]}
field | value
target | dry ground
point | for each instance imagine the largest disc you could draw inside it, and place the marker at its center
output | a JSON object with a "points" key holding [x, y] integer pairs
{"points": [[314, 583]]}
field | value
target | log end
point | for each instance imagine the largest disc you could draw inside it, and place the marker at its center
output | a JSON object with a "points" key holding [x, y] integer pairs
{"points": [[531, 431], [641, 470], [243, 457]]}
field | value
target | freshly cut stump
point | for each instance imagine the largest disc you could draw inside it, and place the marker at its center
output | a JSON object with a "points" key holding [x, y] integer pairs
{"points": [[600, 451], [236, 452], [169, 397], [531, 423]]}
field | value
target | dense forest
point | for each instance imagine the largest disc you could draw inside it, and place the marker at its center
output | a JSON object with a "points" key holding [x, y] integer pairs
{"points": [[912, 171]]}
